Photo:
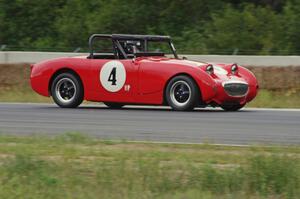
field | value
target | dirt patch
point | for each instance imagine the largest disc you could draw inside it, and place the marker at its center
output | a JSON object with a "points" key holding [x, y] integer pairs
{"points": [[14, 75], [277, 78]]}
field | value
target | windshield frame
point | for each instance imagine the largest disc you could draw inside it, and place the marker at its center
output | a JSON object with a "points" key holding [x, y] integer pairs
{"points": [[118, 49]]}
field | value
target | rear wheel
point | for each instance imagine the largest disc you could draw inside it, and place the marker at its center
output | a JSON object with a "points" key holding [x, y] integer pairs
{"points": [[67, 90], [232, 107], [182, 93], [114, 105]]}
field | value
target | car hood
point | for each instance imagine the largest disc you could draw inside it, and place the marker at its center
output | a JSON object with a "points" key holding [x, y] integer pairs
{"points": [[176, 61], [218, 68], [187, 62]]}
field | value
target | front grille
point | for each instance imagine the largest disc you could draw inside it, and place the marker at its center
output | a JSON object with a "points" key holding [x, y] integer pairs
{"points": [[236, 89]]}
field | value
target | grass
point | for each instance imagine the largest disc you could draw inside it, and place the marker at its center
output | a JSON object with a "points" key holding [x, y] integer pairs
{"points": [[265, 98], [21, 94], [277, 99], [75, 166]]}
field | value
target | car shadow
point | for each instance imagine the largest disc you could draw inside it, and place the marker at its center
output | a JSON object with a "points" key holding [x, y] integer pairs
{"points": [[159, 109], [147, 108]]}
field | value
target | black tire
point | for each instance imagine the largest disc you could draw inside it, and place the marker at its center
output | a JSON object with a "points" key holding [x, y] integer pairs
{"points": [[232, 107], [67, 90], [182, 93], [113, 105]]}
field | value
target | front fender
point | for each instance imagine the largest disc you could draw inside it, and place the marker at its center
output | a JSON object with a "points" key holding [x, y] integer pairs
{"points": [[206, 84], [154, 77]]}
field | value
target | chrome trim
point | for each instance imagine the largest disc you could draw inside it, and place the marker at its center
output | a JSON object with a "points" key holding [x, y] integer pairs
{"points": [[234, 82]]}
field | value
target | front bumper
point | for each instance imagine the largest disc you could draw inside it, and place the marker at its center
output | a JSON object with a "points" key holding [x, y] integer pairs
{"points": [[234, 92]]}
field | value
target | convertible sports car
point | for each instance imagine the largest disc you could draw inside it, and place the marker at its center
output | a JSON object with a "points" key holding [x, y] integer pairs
{"points": [[132, 69]]}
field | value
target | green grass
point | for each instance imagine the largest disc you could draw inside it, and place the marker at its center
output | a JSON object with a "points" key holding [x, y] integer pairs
{"points": [[277, 99], [21, 94], [75, 166], [265, 98]]}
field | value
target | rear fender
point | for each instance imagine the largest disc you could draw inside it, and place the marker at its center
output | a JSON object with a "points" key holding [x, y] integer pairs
{"points": [[43, 73]]}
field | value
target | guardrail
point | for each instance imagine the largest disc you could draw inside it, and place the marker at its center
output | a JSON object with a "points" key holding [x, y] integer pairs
{"points": [[8, 57]]}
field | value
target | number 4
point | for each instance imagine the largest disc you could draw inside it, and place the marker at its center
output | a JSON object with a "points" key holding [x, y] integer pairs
{"points": [[112, 76]]}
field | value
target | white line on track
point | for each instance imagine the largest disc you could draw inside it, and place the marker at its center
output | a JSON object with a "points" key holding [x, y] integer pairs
{"points": [[273, 109], [203, 143]]}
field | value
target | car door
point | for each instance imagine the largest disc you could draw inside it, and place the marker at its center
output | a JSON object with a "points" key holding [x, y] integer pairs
{"points": [[114, 80]]}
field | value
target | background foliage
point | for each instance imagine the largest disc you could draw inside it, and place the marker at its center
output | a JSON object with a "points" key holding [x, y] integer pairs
{"points": [[197, 26]]}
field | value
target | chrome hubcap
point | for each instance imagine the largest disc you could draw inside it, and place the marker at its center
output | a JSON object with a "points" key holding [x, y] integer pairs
{"points": [[180, 93], [65, 90]]}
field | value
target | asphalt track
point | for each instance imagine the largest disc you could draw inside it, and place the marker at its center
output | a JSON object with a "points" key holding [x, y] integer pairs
{"points": [[248, 126]]}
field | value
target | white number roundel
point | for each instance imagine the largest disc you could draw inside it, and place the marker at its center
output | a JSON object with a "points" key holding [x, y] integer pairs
{"points": [[113, 76]]}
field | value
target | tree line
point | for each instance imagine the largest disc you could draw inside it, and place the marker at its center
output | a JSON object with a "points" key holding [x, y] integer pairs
{"points": [[262, 27]]}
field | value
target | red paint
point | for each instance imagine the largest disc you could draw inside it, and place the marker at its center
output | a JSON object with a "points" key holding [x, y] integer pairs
{"points": [[147, 78]]}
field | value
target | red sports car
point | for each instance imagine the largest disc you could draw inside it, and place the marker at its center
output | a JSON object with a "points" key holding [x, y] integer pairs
{"points": [[141, 69]]}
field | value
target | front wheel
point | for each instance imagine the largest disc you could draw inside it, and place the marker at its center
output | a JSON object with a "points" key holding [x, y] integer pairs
{"points": [[67, 90], [182, 93], [232, 107]]}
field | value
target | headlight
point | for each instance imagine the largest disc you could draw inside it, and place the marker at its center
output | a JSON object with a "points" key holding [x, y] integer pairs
{"points": [[234, 69], [209, 69]]}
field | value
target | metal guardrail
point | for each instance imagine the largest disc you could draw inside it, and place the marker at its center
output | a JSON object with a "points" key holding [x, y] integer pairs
{"points": [[277, 61]]}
